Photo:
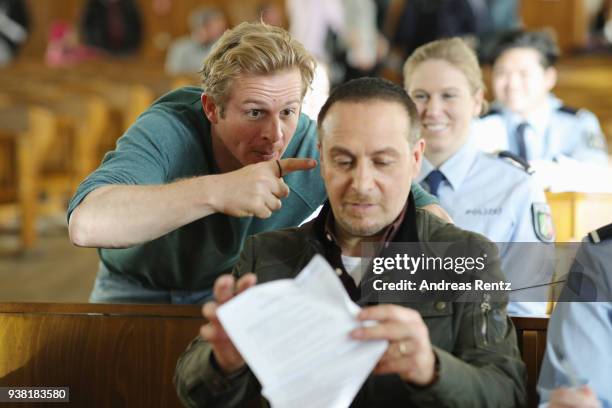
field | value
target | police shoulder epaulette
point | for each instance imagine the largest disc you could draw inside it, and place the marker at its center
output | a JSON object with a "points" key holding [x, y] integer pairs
{"points": [[601, 234], [515, 160], [491, 113], [567, 109]]}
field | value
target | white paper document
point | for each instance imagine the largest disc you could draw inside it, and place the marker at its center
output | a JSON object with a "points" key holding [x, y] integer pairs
{"points": [[294, 335]]}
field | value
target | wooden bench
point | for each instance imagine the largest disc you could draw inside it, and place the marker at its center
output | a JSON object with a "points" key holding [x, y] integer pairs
{"points": [[26, 132], [124, 99], [531, 335], [125, 355], [109, 355], [81, 129]]}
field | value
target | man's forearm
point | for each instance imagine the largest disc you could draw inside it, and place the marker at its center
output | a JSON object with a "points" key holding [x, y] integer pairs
{"points": [[118, 216]]}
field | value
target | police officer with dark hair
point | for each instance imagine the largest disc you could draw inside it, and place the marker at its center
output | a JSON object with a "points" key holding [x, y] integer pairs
{"points": [[527, 118]]}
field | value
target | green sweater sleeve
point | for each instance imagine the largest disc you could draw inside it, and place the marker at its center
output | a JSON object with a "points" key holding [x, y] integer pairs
{"points": [[422, 197]]}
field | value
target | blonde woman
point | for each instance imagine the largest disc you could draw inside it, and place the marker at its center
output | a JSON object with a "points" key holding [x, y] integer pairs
{"points": [[481, 192]]}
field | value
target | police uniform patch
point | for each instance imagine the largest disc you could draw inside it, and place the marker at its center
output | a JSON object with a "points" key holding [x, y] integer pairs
{"points": [[542, 222], [594, 140]]}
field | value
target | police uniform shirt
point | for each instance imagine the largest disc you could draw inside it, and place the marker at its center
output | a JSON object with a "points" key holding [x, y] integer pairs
{"points": [[555, 132], [579, 340], [488, 195]]}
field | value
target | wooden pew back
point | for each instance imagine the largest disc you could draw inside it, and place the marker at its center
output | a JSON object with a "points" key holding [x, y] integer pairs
{"points": [[109, 355], [125, 355], [531, 334]]}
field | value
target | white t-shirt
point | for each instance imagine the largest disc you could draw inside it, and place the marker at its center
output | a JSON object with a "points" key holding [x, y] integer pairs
{"points": [[352, 264]]}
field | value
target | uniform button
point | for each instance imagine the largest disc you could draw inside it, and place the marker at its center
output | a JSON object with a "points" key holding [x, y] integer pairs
{"points": [[338, 271], [440, 306]]}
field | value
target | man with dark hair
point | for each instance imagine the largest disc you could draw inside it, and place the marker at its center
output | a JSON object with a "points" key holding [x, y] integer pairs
{"points": [[528, 120], [439, 353]]}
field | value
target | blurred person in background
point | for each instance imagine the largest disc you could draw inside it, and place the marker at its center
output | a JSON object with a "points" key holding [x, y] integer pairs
{"points": [[113, 26], [599, 20], [64, 47], [526, 118], [14, 24], [270, 14], [423, 21], [364, 45], [310, 23], [186, 54]]}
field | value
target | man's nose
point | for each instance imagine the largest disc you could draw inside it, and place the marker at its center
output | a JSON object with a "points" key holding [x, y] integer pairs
{"points": [[273, 132], [362, 178]]}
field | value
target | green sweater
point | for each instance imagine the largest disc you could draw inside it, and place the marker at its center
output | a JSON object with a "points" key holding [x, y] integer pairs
{"points": [[172, 141]]}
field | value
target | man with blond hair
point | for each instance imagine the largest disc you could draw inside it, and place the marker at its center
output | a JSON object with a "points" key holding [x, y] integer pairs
{"points": [[201, 170]]}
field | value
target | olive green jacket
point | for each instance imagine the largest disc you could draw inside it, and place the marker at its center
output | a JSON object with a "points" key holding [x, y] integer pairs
{"points": [[476, 348]]}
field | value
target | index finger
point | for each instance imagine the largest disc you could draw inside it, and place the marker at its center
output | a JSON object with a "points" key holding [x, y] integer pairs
{"points": [[224, 288], [293, 164], [245, 282]]}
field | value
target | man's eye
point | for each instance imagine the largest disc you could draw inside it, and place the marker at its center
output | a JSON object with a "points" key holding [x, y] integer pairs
{"points": [[449, 96], [288, 112], [419, 97], [253, 113], [343, 163], [383, 163]]}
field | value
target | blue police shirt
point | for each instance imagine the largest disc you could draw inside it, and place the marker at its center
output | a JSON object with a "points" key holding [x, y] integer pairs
{"points": [[581, 332], [554, 132], [488, 195]]}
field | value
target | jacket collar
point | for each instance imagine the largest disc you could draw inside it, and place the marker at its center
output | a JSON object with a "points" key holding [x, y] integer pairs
{"points": [[403, 229]]}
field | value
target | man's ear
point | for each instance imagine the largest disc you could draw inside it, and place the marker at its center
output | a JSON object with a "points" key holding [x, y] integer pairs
{"points": [[550, 78], [210, 108], [418, 150]]}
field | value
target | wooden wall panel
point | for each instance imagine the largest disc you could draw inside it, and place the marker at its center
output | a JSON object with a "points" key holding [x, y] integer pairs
{"points": [[566, 17]]}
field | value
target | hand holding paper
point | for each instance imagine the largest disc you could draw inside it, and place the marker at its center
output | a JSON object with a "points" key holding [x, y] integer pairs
{"points": [[226, 355], [294, 335], [410, 353]]}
